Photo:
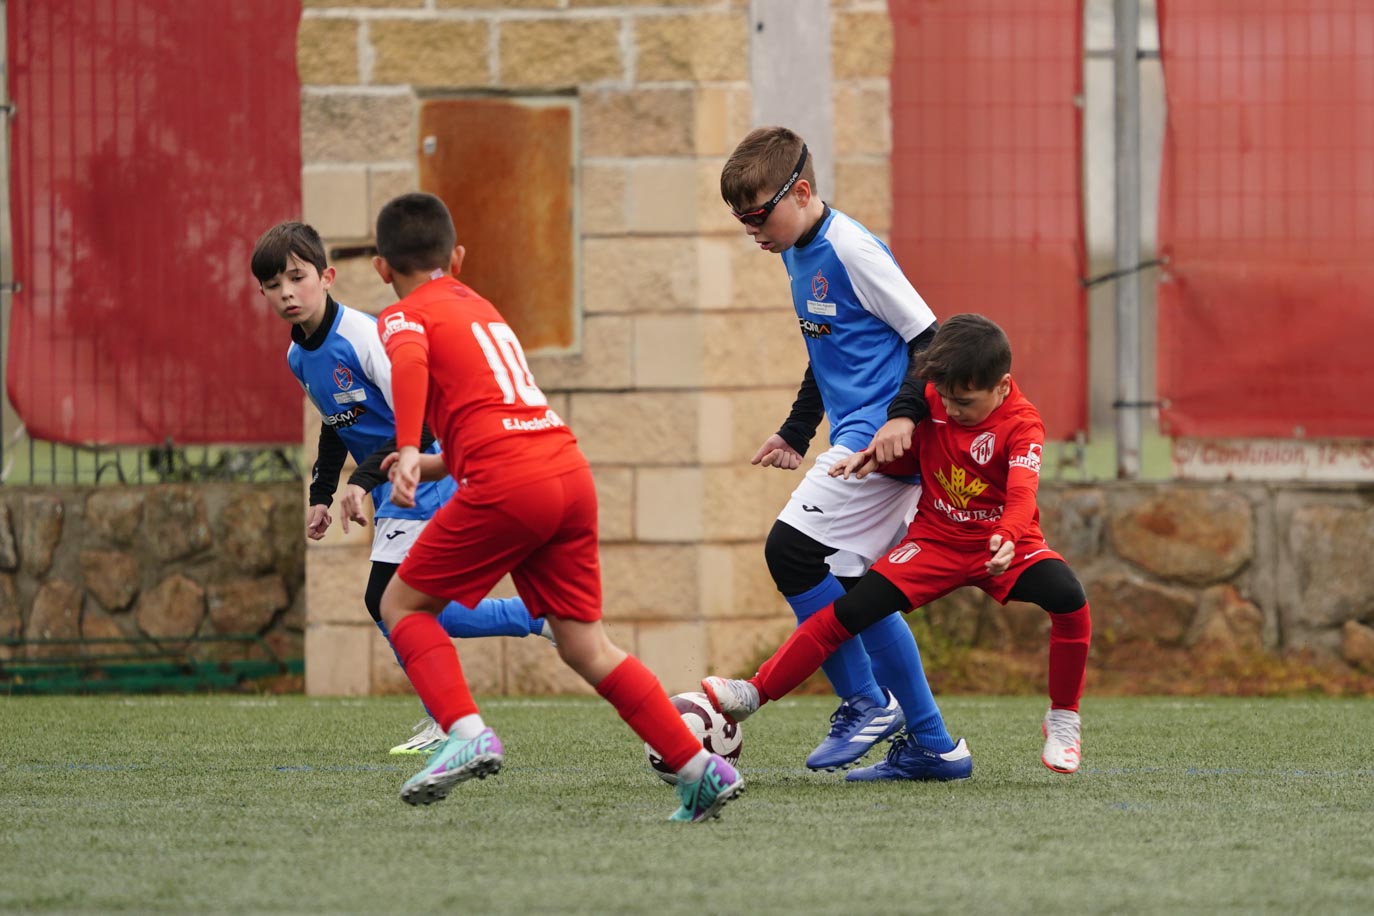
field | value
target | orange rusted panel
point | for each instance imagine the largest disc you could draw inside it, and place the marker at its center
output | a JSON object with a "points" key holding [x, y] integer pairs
{"points": [[505, 169]]}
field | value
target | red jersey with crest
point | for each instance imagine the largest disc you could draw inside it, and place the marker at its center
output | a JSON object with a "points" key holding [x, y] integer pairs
{"points": [[456, 363], [977, 481]]}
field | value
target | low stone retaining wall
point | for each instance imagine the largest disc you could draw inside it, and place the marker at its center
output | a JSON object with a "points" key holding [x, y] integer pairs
{"points": [[1203, 583], [163, 562], [1194, 587]]}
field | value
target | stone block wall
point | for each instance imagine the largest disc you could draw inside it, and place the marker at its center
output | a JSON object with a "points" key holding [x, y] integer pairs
{"points": [[1199, 585], [688, 356], [160, 562]]}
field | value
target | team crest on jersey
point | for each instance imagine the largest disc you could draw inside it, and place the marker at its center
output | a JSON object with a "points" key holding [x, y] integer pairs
{"points": [[1031, 460], [982, 447], [904, 552], [343, 377], [819, 285], [814, 329], [959, 485]]}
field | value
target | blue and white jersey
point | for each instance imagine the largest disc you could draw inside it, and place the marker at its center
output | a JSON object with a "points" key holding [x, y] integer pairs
{"points": [[345, 372], [857, 311]]}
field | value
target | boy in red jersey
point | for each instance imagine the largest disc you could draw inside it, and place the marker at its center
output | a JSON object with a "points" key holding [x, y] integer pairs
{"points": [[526, 505], [977, 524]]}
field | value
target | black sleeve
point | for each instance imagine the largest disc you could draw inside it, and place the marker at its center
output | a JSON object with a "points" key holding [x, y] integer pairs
{"points": [[329, 462], [369, 475], [910, 401], [807, 411]]}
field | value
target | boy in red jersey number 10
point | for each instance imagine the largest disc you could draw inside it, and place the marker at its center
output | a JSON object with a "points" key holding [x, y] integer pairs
{"points": [[977, 524], [526, 505]]}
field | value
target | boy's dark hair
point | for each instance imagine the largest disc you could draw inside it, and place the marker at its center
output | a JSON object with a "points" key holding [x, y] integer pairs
{"points": [[968, 351], [762, 161], [275, 247], [415, 233]]}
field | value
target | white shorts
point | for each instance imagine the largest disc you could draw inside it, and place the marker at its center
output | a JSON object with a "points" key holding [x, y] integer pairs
{"points": [[861, 519], [392, 537]]}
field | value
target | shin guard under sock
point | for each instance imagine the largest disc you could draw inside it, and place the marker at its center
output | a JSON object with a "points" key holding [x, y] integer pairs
{"points": [[848, 668], [897, 664], [640, 700], [800, 656], [1070, 636], [431, 663], [491, 617]]}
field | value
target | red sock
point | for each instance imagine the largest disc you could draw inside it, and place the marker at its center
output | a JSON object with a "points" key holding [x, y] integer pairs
{"points": [[431, 663], [1069, 638], [637, 695], [799, 657]]}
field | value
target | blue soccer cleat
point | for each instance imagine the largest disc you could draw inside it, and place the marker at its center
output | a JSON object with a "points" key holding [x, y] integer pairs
{"points": [[855, 727], [703, 798], [456, 760], [908, 760]]}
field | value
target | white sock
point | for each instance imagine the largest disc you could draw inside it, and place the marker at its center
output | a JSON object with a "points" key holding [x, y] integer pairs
{"points": [[468, 727], [695, 768]]}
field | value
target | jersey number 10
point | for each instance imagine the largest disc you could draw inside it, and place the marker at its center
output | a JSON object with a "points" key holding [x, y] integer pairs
{"points": [[507, 361]]}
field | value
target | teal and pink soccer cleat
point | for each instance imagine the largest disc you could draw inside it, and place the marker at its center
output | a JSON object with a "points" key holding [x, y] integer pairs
{"points": [[456, 759], [703, 798]]}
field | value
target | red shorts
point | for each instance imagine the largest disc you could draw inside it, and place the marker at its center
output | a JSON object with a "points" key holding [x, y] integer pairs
{"points": [[542, 532], [928, 569]]}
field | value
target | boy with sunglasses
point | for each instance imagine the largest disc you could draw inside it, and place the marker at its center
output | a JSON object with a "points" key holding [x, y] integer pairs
{"points": [[862, 323]]}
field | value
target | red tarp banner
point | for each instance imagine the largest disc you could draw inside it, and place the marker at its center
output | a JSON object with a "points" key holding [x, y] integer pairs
{"points": [[1266, 307], [987, 200], [152, 142]]}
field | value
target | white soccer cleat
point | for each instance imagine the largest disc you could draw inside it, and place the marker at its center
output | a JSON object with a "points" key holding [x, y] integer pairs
{"points": [[733, 699], [428, 736], [1063, 731]]}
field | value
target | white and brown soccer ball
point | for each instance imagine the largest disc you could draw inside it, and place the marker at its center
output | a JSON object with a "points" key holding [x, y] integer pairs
{"points": [[711, 728]]}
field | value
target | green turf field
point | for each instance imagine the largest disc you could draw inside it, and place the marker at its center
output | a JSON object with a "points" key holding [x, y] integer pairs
{"points": [[288, 804]]}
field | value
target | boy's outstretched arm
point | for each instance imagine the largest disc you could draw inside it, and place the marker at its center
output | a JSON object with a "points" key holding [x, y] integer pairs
{"points": [[368, 476], [786, 448], [909, 407], [860, 464], [324, 479]]}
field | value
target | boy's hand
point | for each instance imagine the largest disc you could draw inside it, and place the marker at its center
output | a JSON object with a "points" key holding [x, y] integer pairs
{"points": [[860, 464], [776, 453], [405, 475], [1002, 553], [351, 506], [432, 467], [317, 521], [893, 439]]}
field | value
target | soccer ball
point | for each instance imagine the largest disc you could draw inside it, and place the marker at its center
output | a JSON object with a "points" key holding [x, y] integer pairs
{"points": [[716, 734]]}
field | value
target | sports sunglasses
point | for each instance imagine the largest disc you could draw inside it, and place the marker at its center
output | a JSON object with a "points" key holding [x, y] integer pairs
{"points": [[758, 217]]}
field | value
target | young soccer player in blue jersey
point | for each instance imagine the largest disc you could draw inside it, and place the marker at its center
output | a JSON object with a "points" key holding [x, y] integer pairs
{"points": [[338, 358], [862, 322]]}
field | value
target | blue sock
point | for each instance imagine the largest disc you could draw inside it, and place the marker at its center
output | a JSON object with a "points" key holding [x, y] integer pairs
{"points": [[897, 664], [387, 636], [491, 617], [848, 669]]}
